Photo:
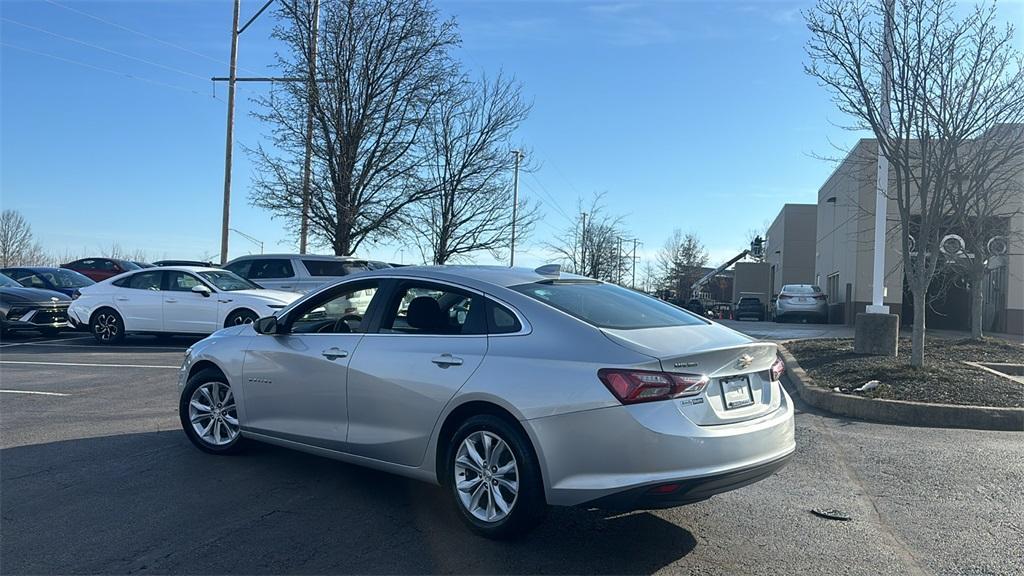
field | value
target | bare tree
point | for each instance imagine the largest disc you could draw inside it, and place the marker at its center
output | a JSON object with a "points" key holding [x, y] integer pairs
{"points": [[932, 57], [593, 248], [680, 262], [382, 67], [17, 244], [987, 192], [471, 173]]}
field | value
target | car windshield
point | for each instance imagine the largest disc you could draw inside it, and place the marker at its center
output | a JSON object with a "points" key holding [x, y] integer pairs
{"points": [[609, 306], [228, 281], [129, 265], [64, 278], [7, 282]]}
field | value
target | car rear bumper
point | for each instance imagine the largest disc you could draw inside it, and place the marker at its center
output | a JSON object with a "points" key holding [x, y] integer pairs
{"points": [[801, 309], [614, 456]]}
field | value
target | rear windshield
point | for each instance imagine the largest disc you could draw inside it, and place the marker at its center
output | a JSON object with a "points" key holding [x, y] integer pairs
{"points": [[750, 300], [608, 305], [335, 267], [800, 289]]}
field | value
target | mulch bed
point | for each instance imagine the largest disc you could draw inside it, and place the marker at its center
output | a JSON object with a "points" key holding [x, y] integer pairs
{"points": [[944, 379]]}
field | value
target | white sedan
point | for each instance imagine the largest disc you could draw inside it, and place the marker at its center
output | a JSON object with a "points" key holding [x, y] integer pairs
{"points": [[172, 300]]}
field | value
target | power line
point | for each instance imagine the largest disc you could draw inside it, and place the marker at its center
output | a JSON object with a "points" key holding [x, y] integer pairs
{"points": [[142, 34], [544, 189], [108, 70], [104, 49]]}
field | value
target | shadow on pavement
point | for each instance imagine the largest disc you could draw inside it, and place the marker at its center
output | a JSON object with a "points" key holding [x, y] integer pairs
{"points": [[152, 503]]}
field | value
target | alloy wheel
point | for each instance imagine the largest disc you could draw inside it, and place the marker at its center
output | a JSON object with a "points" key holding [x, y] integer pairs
{"points": [[486, 476], [213, 414], [106, 326]]}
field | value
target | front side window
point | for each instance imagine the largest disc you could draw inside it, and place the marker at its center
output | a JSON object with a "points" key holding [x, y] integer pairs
{"points": [[339, 311], [181, 281], [335, 267], [270, 268], [228, 281], [145, 281], [608, 306], [435, 310]]}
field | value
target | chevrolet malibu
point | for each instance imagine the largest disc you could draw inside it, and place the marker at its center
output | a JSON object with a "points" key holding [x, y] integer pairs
{"points": [[172, 300], [515, 389]]}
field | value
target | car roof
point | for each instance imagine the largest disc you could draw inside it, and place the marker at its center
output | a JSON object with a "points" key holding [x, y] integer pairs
{"points": [[180, 269], [303, 256], [493, 275]]}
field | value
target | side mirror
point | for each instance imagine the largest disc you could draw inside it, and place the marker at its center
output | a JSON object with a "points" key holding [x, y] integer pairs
{"points": [[266, 325], [201, 289]]}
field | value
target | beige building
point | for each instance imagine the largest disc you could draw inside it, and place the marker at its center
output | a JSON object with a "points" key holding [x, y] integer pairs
{"points": [[845, 250], [790, 246]]}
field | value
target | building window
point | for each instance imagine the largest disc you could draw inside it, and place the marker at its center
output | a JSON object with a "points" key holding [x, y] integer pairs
{"points": [[833, 287]]}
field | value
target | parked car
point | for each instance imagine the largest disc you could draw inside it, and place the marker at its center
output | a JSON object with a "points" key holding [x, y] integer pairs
{"points": [[296, 272], [749, 307], [185, 263], [801, 301], [172, 300], [516, 389], [97, 269], [67, 282], [143, 264], [24, 308]]}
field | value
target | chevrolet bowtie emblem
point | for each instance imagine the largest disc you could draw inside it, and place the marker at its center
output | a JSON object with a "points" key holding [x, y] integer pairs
{"points": [[744, 361]]}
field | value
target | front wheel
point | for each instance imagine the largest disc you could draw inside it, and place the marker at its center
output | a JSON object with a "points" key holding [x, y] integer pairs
{"points": [[495, 480], [208, 413], [107, 327], [239, 317]]}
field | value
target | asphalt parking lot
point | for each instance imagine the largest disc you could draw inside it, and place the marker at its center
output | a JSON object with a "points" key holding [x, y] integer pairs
{"points": [[96, 477]]}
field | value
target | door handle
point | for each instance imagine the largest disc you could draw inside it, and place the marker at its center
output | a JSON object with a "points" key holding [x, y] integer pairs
{"points": [[334, 353], [170, 300], [121, 298], [446, 360], [286, 287]]}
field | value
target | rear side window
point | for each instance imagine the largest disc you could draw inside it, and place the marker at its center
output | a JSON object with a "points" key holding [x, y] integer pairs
{"points": [[608, 305], [501, 320], [270, 268], [240, 268], [334, 267], [145, 281]]}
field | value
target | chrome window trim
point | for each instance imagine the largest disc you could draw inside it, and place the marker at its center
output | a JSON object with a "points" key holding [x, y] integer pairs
{"points": [[525, 326]]}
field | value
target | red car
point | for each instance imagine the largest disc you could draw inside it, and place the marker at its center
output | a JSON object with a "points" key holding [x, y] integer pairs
{"points": [[97, 269]]}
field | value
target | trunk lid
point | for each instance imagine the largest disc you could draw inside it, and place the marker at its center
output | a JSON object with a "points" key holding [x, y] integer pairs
{"points": [[737, 365]]}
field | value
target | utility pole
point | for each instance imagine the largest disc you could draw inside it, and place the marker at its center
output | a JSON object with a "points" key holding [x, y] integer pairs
{"points": [[230, 140], [515, 205], [313, 96], [618, 262], [882, 189], [633, 261], [583, 246]]}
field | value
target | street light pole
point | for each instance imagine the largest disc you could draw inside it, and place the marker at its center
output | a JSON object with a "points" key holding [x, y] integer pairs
{"points": [[882, 188], [515, 206], [229, 145]]}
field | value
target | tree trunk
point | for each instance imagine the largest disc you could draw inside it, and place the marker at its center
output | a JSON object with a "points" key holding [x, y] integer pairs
{"points": [[917, 345], [977, 278]]}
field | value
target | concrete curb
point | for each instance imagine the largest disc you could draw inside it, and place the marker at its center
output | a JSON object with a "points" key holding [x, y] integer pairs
{"points": [[900, 411]]}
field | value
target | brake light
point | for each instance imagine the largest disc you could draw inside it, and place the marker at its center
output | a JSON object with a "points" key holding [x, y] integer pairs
{"points": [[819, 296], [784, 296], [636, 386], [778, 368]]}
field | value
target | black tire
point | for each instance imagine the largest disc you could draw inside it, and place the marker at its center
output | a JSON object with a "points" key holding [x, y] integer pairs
{"points": [[239, 317], [529, 505], [106, 326], [197, 380]]}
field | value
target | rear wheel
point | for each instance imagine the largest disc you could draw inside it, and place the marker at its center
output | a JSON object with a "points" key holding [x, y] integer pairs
{"points": [[495, 480], [107, 327]]}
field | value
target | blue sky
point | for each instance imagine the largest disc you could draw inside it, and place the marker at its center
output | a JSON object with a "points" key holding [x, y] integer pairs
{"points": [[686, 114]]}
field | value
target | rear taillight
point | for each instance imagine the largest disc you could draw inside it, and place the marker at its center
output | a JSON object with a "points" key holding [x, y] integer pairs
{"points": [[784, 296], [778, 367], [635, 386], [819, 296]]}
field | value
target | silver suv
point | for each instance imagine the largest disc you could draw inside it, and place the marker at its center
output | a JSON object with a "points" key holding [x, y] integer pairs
{"points": [[296, 272]]}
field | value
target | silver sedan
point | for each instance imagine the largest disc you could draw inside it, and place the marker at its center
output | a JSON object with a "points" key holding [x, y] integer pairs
{"points": [[516, 389]]}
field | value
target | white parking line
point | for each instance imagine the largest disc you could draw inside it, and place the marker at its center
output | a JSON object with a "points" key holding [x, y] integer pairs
{"points": [[87, 365], [40, 341], [33, 392], [100, 348]]}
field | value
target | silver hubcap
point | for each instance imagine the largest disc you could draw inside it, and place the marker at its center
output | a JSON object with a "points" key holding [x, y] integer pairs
{"points": [[106, 326], [212, 413], [486, 476], [243, 319]]}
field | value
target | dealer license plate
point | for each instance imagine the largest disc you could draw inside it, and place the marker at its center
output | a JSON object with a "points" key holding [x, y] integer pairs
{"points": [[736, 392]]}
